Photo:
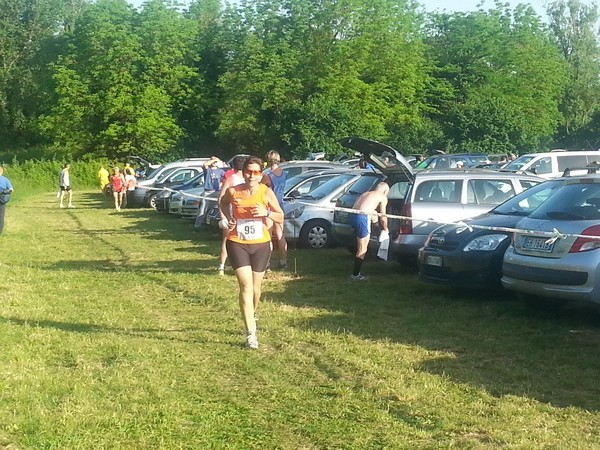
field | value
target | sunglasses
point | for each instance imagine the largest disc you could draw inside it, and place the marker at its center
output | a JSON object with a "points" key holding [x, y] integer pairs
{"points": [[253, 172]]}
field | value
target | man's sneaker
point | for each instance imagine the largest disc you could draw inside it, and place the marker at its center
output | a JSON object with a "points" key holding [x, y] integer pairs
{"points": [[221, 270], [61, 206], [70, 206], [359, 277], [252, 341]]}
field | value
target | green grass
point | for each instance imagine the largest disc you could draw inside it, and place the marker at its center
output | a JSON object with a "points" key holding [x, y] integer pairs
{"points": [[116, 333]]}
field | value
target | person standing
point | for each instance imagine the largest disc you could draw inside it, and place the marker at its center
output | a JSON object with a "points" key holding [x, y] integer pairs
{"points": [[247, 208], [64, 182], [275, 178], [130, 184], [213, 177], [117, 183], [103, 178], [6, 190], [368, 204]]}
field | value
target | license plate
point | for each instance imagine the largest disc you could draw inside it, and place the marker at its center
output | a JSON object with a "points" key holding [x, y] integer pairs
{"points": [[434, 260], [538, 244]]}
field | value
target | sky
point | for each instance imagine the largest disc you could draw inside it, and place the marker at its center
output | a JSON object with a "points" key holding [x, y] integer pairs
{"points": [[450, 5], [471, 5]]}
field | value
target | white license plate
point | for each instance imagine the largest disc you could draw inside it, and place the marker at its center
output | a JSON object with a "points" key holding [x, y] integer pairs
{"points": [[434, 260], [538, 244]]}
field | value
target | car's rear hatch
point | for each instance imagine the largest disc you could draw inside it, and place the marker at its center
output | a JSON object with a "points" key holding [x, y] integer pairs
{"points": [[385, 158]]}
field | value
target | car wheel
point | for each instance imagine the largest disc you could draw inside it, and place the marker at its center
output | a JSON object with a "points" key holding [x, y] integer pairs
{"points": [[316, 234], [152, 201]]}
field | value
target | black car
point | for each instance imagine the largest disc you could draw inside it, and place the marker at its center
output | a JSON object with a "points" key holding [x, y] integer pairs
{"points": [[457, 256]]}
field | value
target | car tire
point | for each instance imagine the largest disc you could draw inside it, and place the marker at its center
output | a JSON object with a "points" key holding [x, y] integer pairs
{"points": [[152, 201], [316, 234]]}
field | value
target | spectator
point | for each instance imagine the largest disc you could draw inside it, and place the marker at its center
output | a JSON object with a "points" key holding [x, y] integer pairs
{"points": [[6, 190], [117, 182], [276, 179], [103, 178], [213, 177], [64, 182]]}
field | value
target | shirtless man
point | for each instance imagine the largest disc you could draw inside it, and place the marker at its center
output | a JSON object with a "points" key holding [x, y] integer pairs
{"points": [[368, 203]]}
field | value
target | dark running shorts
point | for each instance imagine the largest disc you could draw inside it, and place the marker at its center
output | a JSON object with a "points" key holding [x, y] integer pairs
{"points": [[253, 255], [65, 188], [361, 224]]}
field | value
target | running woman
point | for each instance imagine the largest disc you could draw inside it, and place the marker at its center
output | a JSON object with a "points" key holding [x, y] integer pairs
{"points": [[247, 207]]}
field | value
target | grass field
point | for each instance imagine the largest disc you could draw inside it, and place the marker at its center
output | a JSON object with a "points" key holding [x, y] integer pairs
{"points": [[116, 333]]}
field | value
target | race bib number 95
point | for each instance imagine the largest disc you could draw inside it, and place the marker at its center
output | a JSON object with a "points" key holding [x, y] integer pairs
{"points": [[249, 229]]}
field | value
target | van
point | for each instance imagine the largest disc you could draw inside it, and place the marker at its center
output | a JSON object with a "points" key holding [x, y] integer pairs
{"points": [[553, 164]]}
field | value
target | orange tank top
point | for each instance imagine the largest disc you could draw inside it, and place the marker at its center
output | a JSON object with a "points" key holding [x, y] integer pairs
{"points": [[248, 229]]}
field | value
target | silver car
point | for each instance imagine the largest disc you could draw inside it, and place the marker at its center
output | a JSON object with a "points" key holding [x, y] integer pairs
{"points": [[553, 256], [308, 218], [448, 196]]}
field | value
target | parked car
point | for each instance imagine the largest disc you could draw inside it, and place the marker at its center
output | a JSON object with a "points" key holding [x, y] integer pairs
{"points": [[160, 174], [164, 197], [293, 168], [553, 164], [186, 202], [308, 216], [555, 253], [457, 256], [146, 195], [453, 161], [445, 196]]}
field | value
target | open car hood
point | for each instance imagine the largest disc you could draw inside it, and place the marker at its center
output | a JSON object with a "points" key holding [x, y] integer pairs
{"points": [[387, 159]]}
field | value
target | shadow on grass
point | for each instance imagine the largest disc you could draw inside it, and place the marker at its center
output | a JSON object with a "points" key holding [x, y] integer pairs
{"points": [[486, 339]]}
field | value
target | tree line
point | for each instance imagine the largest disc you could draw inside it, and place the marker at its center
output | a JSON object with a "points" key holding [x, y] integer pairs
{"points": [[106, 79]]}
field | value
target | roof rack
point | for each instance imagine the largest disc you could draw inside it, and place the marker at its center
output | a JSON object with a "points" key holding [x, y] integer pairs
{"points": [[589, 169]]}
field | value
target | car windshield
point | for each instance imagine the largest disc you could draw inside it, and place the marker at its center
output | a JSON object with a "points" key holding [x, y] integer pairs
{"points": [[294, 181], [155, 172], [529, 200], [579, 201], [164, 175], [479, 158], [327, 188], [518, 163]]}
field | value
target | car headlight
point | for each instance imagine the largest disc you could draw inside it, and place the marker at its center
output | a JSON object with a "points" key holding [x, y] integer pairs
{"points": [[164, 194], [488, 242], [294, 213]]}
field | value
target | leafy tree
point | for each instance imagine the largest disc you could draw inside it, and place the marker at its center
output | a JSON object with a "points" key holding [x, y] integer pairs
{"points": [[126, 76], [507, 77], [574, 25]]}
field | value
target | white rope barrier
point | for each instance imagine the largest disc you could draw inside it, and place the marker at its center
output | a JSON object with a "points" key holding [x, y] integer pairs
{"points": [[552, 236]]}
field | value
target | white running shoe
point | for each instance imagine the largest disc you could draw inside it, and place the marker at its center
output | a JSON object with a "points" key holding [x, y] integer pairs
{"points": [[252, 341], [359, 277]]}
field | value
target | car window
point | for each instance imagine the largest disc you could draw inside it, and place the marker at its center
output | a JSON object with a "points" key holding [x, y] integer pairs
{"points": [[579, 201], [163, 176], [438, 191], [526, 184], [569, 161], [518, 163], [183, 175], [542, 166], [398, 190], [527, 201], [330, 186], [489, 191], [363, 184]]}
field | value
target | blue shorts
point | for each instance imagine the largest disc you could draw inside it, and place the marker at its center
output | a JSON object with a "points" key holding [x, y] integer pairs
{"points": [[361, 224]]}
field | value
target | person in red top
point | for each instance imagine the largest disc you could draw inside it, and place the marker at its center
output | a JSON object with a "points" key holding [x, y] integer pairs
{"points": [[117, 183], [250, 208]]}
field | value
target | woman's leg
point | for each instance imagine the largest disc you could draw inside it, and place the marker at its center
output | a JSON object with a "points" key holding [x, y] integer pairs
{"points": [[116, 197], [246, 299], [281, 245]]}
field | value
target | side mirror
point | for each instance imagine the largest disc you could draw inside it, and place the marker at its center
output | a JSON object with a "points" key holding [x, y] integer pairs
{"points": [[294, 194]]}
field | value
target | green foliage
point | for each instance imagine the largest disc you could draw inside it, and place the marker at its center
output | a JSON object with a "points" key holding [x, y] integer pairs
{"points": [[507, 76]]}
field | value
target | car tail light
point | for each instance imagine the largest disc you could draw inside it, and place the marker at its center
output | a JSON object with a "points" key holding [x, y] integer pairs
{"points": [[582, 244], [406, 225]]}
